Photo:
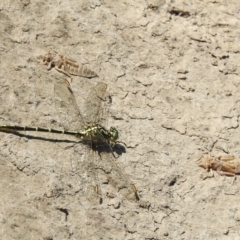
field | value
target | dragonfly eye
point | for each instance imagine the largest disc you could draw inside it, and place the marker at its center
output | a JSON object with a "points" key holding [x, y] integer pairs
{"points": [[114, 134]]}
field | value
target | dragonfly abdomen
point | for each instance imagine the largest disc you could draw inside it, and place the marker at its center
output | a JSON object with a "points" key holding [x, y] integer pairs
{"points": [[12, 128]]}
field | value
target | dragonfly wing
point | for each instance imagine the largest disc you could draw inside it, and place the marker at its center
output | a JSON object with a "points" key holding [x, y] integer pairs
{"points": [[116, 177], [86, 171], [96, 104], [67, 108]]}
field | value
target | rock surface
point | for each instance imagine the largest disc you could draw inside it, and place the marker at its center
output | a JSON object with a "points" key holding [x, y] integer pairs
{"points": [[172, 69]]}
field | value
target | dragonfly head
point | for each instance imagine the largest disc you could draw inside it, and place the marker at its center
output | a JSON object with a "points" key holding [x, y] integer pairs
{"points": [[114, 134]]}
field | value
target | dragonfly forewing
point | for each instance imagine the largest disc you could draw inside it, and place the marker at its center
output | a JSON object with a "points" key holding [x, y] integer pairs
{"points": [[97, 104], [67, 108]]}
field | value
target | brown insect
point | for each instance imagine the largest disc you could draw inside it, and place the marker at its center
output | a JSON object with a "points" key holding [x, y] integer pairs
{"points": [[224, 165], [66, 65]]}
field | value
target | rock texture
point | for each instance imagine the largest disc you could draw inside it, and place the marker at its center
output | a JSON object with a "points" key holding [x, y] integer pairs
{"points": [[172, 69]]}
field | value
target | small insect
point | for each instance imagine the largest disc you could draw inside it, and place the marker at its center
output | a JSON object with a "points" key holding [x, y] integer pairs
{"points": [[224, 165], [66, 65]]}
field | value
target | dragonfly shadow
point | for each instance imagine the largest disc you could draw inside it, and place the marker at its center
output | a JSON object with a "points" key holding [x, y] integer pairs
{"points": [[119, 149], [106, 147], [42, 138]]}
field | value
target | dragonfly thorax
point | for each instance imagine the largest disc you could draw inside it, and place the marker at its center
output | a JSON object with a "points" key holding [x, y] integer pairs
{"points": [[114, 134], [99, 133]]}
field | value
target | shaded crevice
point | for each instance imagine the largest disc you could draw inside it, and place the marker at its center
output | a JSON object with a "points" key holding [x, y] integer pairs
{"points": [[179, 12], [65, 211]]}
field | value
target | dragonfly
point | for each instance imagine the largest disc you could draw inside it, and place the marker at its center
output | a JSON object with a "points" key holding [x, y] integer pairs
{"points": [[98, 140]]}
